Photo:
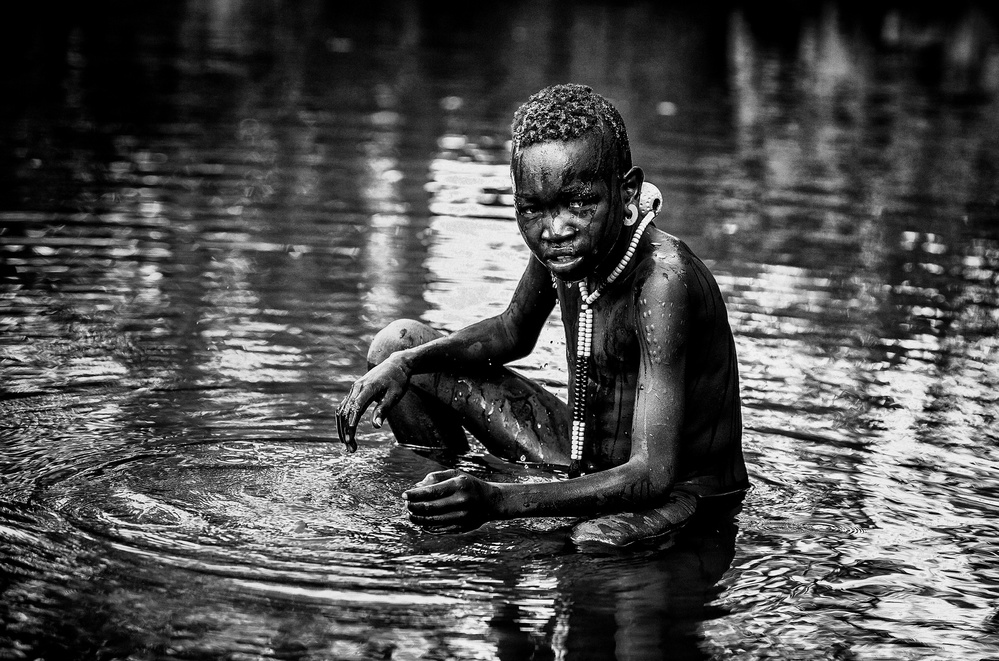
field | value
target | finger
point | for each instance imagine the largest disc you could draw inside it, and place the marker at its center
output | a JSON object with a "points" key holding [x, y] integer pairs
{"points": [[456, 519], [350, 412], [452, 503], [388, 401], [439, 526], [350, 442], [348, 435], [378, 413], [345, 437], [345, 430], [436, 477], [430, 493], [356, 406], [347, 402]]}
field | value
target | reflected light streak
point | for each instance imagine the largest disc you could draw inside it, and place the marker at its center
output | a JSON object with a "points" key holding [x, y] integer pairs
{"points": [[381, 255], [470, 189], [347, 596]]}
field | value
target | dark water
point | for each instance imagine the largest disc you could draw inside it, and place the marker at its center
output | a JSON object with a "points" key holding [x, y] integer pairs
{"points": [[209, 208]]}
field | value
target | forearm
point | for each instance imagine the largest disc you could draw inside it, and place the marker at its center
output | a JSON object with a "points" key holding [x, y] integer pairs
{"points": [[629, 487], [455, 499]]}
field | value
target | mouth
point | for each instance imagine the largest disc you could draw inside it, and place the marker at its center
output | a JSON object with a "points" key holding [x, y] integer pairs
{"points": [[562, 263]]}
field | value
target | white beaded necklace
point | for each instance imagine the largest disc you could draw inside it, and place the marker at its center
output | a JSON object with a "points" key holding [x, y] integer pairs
{"points": [[650, 199]]}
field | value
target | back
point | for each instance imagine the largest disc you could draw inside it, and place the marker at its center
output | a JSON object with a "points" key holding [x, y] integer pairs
{"points": [[711, 455]]}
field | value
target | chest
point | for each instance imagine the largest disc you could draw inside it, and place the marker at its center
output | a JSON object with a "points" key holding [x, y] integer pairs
{"points": [[614, 346]]}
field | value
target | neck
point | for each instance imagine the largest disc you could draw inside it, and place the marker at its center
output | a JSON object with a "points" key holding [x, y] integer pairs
{"points": [[614, 257]]}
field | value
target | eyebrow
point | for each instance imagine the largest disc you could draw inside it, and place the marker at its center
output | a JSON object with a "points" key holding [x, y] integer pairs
{"points": [[576, 187], [585, 186]]}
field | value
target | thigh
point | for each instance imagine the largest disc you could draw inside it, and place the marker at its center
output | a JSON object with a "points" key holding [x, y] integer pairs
{"points": [[514, 417]]}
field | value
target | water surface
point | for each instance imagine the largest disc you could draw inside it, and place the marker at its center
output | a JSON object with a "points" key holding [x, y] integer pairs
{"points": [[210, 209]]}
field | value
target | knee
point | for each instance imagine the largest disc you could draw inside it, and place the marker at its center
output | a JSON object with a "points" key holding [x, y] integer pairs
{"points": [[618, 531], [614, 531], [400, 334]]}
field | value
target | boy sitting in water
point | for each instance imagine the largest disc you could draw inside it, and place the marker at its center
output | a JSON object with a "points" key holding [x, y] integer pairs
{"points": [[655, 424]]}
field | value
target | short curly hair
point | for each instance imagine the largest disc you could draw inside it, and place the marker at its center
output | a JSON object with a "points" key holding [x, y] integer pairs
{"points": [[568, 112]]}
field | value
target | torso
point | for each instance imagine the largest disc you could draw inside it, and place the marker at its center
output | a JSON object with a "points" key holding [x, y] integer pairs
{"points": [[711, 453]]}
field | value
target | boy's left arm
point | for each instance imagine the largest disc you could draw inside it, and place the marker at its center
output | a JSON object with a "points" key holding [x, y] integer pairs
{"points": [[457, 500]]}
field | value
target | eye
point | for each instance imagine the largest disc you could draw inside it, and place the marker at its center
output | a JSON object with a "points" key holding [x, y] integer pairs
{"points": [[528, 210], [581, 203]]}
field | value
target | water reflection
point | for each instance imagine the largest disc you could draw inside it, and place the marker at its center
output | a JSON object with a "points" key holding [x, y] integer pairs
{"points": [[211, 208]]}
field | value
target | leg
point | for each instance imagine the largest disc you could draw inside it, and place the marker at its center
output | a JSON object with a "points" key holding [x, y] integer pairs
{"points": [[418, 420], [617, 531], [513, 417]]}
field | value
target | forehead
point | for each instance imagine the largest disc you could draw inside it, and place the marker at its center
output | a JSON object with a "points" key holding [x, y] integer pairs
{"points": [[558, 163]]}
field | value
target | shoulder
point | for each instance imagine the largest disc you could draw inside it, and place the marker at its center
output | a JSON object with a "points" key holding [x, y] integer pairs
{"points": [[662, 275], [662, 313], [662, 303]]}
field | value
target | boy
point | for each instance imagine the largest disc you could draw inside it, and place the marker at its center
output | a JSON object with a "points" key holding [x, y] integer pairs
{"points": [[655, 421]]}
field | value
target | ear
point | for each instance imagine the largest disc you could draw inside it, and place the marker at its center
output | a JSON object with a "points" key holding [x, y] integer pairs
{"points": [[631, 186]]}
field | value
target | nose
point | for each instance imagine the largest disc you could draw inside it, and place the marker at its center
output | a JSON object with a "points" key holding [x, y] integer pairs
{"points": [[558, 227]]}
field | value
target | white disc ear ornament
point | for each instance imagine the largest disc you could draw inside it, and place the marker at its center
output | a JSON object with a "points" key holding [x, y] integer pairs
{"points": [[631, 215], [650, 200]]}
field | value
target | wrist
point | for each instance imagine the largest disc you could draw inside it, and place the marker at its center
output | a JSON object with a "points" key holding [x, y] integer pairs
{"points": [[404, 360], [500, 501]]}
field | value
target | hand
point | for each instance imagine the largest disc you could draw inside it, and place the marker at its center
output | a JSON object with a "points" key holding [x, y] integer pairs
{"points": [[385, 383], [451, 500]]}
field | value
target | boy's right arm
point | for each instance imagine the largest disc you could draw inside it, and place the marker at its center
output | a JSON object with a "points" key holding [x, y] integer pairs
{"points": [[494, 341]]}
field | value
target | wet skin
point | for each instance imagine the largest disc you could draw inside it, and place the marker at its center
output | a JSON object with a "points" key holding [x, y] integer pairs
{"points": [[663, 403]]}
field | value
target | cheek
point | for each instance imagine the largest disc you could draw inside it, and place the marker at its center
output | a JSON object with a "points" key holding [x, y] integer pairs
{"points": [[531, 233], [603, 229]]}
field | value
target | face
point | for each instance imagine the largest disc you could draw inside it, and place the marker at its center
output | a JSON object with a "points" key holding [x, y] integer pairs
{"points": [[566, 209]]}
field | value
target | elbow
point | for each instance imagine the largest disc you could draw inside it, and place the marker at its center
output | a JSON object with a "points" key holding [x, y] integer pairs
{"points": [[520, 349], [649, 487], [516, 344], [509, 352]]}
